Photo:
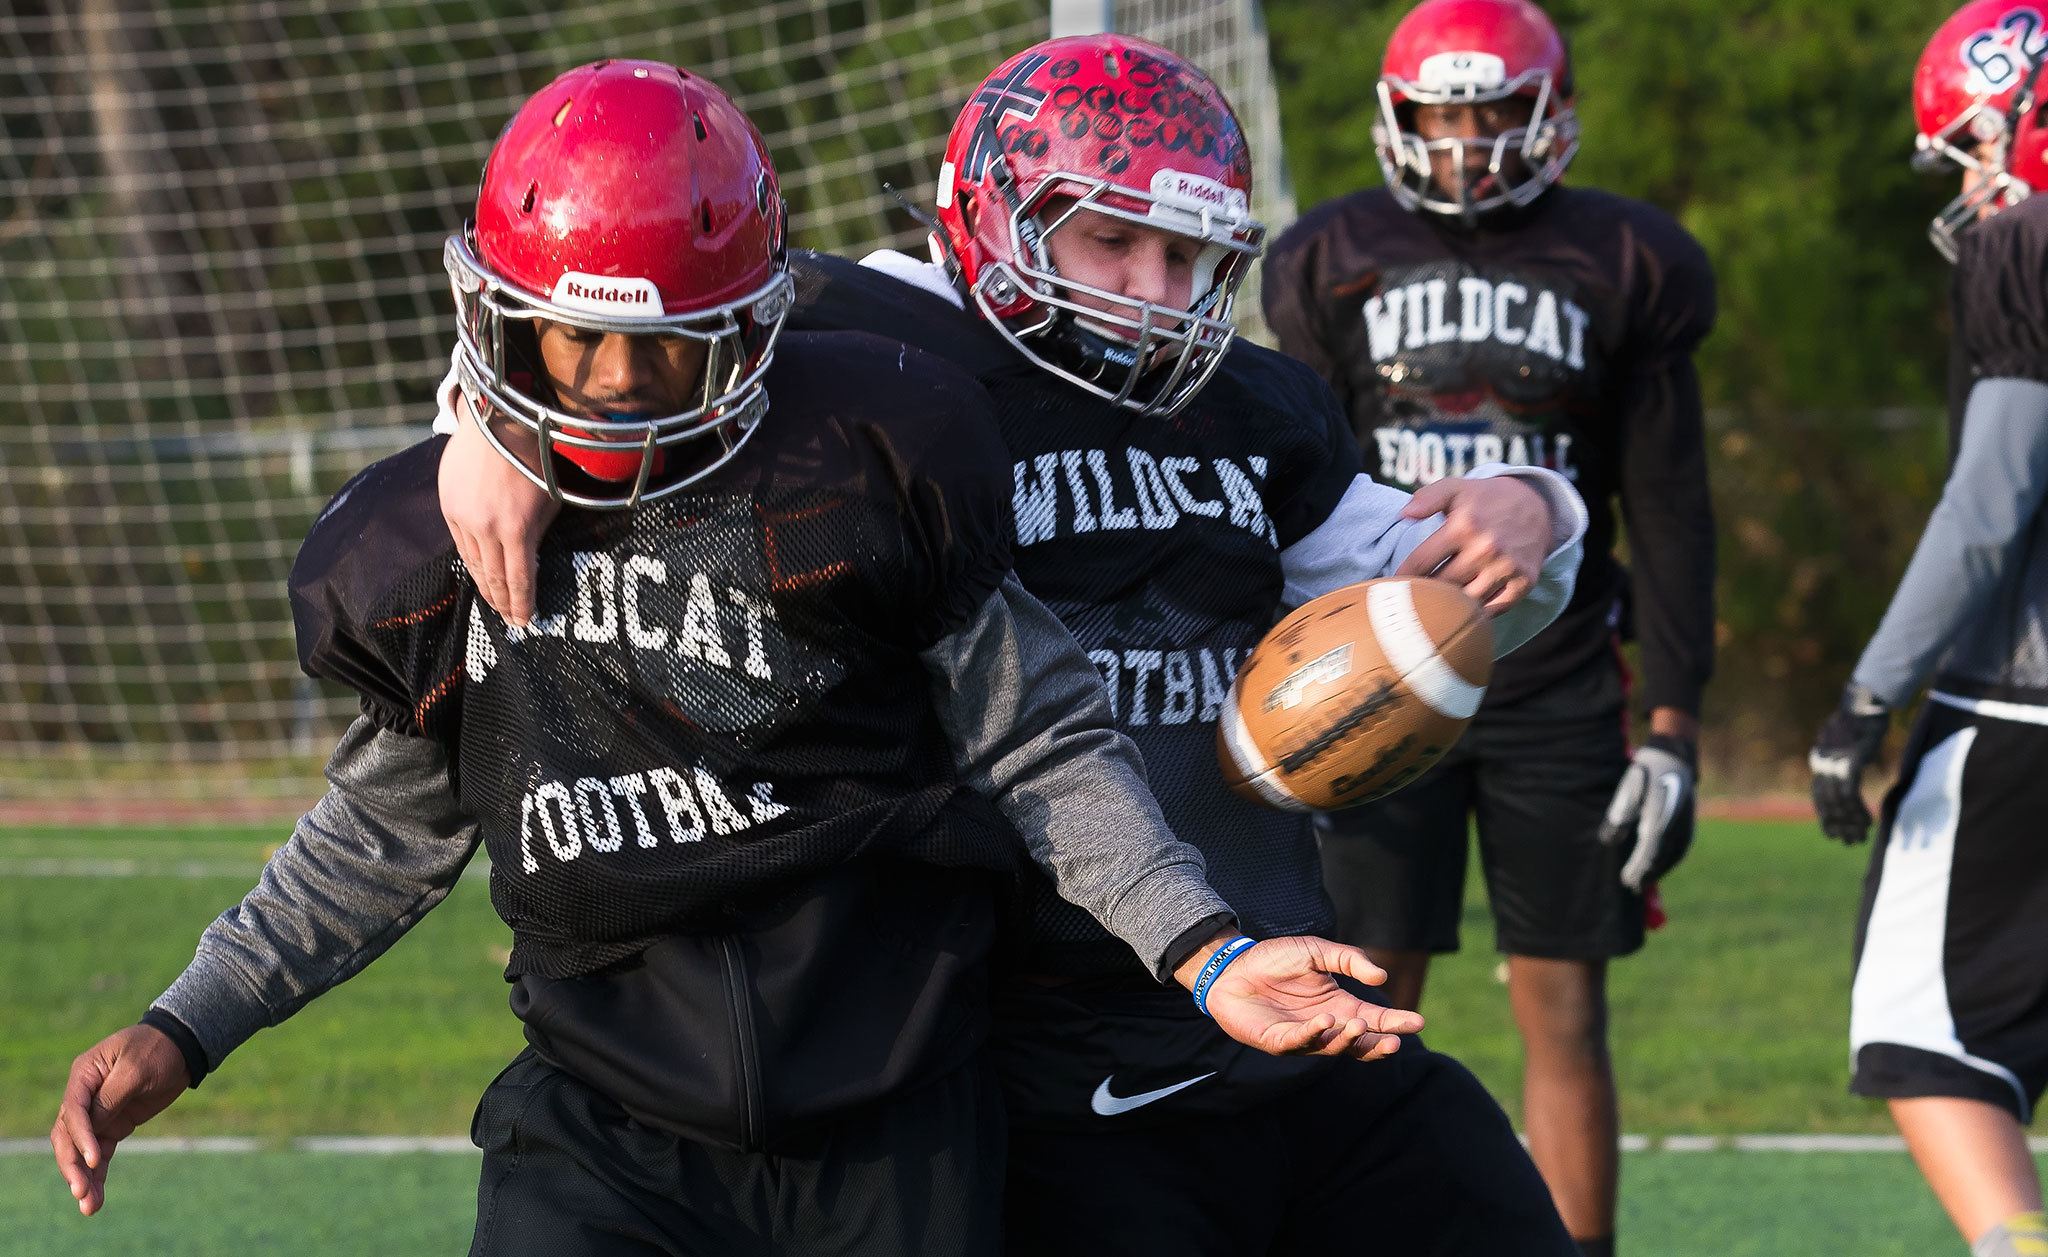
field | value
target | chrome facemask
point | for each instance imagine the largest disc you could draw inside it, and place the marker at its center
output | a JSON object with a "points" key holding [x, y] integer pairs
{"points": [[1544, 149], [741, 337], [1149, 358]]}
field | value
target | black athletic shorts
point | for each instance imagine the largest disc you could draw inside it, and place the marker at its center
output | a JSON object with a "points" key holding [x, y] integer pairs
{"points": [[1137, 1128], [1951, 992], [1537, 777], [567, 1173]]}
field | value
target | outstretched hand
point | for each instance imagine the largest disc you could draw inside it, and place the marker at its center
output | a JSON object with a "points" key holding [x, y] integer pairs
{"points": [[1280, 997], [1497, 532], [116, 1085]]}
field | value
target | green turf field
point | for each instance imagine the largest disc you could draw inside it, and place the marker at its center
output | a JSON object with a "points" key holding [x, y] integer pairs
{"points": [[1731, 1021]]}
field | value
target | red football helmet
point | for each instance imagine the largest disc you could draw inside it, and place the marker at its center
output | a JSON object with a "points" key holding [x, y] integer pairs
{"points": [[634, 197], [1116, 126], [1975, 97], [1468, 52]]}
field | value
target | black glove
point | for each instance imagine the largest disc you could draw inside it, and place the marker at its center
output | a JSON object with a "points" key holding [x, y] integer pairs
{"points": [[1652, 810], [1848, 742]]}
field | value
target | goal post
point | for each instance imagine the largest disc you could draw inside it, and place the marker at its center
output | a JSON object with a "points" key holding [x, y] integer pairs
{"points": [[220, 293]]}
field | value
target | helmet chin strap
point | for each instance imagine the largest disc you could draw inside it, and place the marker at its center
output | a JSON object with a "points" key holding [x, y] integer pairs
{"points": [[1095, 354], [1106, 361]]}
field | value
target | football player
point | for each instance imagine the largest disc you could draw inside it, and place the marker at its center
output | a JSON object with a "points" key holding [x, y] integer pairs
{"points": [[1174, 489], [1949, 1011], [1474, 308], [749, 787]]}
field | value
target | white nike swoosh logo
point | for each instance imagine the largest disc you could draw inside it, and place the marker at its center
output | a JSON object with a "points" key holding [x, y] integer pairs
{"points": [[1109, 1105], [1674, 791]]}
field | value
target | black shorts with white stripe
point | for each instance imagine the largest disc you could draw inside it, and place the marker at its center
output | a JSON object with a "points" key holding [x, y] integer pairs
{"points": [[1951, 990]]}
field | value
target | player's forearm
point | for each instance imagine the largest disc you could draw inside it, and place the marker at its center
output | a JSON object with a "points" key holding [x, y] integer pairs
{"points": [[1673, 722], [1669, 512], [1560, 572], [1674, 615], [1287, 301], [1997, 486], [1031, 728], [1367, 537], [373, 856]]}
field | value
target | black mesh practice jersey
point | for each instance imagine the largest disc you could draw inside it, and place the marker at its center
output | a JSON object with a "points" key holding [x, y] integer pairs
{"points": [[1157, 542], [1558, 336], [1999, 299], [721, 697]]}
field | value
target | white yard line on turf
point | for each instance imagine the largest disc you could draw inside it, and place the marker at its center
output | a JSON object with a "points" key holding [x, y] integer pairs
{"points": [[398, 1145]]}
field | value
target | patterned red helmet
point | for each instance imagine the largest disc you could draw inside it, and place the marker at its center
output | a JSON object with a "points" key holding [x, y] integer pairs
{"points": [[1468, 52], [633, 197], [1111, 125], [1975, 96]]}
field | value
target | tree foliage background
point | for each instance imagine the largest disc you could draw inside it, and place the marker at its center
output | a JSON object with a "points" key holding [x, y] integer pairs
{"points": [[1779, 133]]}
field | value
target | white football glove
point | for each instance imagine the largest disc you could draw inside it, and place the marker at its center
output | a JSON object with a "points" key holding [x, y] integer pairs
{"points": [[1653, 810]]}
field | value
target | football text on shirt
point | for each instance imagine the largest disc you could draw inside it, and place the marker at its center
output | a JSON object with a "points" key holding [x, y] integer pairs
{"points": [[567, 818], [1167, 687], [1413, 457], [683, 803], [1461, 344]]}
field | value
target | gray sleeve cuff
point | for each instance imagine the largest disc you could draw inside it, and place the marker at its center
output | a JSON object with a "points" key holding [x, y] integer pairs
{"points": [[1031, 728], [1365, 537], [1560, 574], [377, 852]]}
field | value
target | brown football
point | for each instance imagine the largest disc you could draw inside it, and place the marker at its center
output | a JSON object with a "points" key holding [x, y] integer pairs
{"points": [[1354, 694]]}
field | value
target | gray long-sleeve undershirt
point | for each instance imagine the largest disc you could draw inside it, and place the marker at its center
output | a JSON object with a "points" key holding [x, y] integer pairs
{"points": [[380, 850], [1366, 537], [1987, 514], [1030, 726]]}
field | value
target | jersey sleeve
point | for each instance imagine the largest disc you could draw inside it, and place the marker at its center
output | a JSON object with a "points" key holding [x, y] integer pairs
{"points": [[377, 595], [1031, 729], [1977, 535], [1287, 296], [2000, 303], [1664, 495], [379, 851], [954, 493], [1324, 459]]}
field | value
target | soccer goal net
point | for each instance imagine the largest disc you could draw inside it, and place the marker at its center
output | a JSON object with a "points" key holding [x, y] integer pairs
{"points": [[221, 292]]}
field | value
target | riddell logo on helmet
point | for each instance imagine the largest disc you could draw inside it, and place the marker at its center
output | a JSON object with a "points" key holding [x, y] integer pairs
{"points": [[1188, 191], [1455, 71], [607, 294]]}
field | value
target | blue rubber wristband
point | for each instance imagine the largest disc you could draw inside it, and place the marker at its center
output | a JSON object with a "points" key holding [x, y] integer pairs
{"points": [[1217, 963]]}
